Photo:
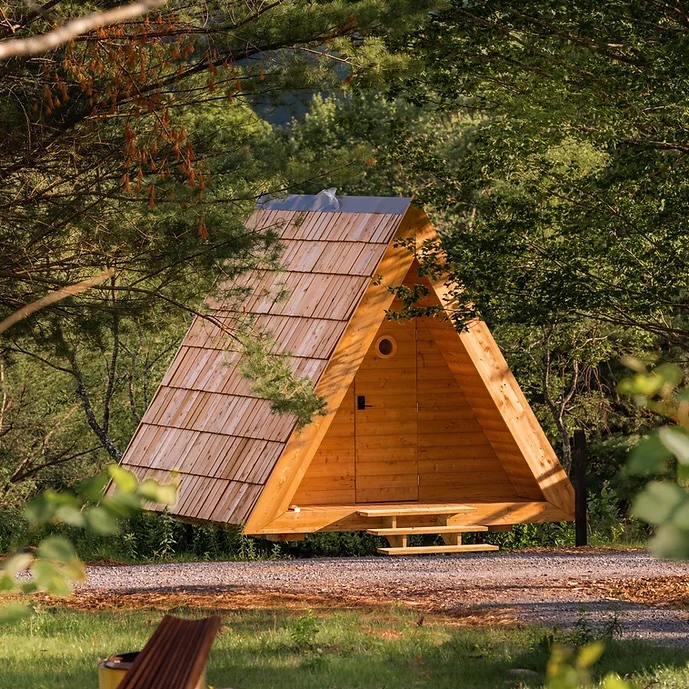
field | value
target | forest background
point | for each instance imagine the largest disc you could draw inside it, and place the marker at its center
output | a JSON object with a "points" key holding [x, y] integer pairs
{"points": [[549, 146]]}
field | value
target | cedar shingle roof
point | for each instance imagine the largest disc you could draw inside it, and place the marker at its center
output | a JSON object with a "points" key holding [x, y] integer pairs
{"points": [[204, 420]]}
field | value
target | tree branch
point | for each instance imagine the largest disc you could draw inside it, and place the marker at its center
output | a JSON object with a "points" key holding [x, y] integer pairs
{"points": [[27, 470], [69, 31], [83, 395], [54, 297]]}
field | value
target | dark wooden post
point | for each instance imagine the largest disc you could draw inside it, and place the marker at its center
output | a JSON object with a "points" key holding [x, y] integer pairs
{"points": [[579, 469]]}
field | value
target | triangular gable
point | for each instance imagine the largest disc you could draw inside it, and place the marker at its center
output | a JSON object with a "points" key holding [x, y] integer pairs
{"points": [[509, 422], [500, 410], [419, 436]]}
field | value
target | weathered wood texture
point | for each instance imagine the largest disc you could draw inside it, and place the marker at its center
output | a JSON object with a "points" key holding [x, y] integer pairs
{"points": [[205, 421], [341, 369]]}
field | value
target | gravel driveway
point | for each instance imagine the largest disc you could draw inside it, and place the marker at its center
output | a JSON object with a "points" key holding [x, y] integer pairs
{"points": [[545, 588]]}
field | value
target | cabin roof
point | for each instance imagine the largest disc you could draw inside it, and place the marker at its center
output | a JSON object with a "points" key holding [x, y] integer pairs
{"points": [[205, 420]]}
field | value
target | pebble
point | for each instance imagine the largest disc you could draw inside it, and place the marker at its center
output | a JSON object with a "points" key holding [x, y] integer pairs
{"points": [[545, 588]]}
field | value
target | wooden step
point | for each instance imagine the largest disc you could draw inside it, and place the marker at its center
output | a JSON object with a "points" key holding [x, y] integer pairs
{"points": [[411, 530], [435, 549], [414, 511]]}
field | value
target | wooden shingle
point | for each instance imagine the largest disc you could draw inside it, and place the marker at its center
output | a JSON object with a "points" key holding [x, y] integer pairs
{"points": [[204, 421]]}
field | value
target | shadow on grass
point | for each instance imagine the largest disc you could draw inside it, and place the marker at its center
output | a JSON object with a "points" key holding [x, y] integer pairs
{"points": [[324, 649], [394, 651]]}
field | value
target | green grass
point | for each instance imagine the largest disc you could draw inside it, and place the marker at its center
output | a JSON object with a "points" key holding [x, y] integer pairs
{"points": [[60, 649]]}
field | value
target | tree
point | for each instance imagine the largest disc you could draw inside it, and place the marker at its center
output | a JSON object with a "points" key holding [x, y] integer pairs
{"points": [[560, 207], [566, 193], [134, 148]]}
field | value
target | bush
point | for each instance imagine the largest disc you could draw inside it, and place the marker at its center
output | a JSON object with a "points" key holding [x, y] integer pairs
{"points": [[13, 529], [146, 537]]}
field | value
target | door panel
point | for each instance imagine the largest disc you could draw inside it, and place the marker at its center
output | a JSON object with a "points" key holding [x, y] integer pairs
{"points": [[385, 417]]}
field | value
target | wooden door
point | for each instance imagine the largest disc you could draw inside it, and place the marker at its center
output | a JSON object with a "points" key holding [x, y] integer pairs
{"points": [[385, 417]]}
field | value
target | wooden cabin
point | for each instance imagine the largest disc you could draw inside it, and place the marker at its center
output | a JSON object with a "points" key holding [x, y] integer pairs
{"points": [[426, 429]]}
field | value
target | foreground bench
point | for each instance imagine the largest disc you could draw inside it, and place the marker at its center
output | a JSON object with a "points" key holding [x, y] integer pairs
{"points": [[175, 656]]}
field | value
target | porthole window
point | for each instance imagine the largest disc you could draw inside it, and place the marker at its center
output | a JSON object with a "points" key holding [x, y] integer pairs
{"points": [[386, 346]]}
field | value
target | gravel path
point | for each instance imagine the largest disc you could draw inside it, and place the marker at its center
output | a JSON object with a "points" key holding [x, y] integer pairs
{"points": [[543, 588]]}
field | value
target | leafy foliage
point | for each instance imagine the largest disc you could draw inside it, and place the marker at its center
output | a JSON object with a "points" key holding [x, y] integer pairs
{"points": [[138, 147], [665, 454], [273, 378], [565, 192], [53, 563]]}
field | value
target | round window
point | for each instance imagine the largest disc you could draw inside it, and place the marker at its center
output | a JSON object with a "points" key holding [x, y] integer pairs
{"points": [[386, 346]]}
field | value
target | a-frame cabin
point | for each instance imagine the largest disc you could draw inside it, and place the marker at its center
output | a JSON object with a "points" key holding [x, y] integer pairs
{"points": [[426, 429]]}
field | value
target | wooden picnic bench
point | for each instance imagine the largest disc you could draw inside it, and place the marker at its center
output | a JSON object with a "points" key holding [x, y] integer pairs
{"points": [[175, 656]]}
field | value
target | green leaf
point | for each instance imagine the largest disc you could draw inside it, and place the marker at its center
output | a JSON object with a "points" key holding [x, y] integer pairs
{"points": [[13, 612], [50, 579], [69, 514], [56, 548], [123, 478], [670, 542], [645, 384], [19, 562], [160, 493], [57, 498], [658, 501], [7, 583], [101, 521], [45, 507], [680, 517], [74, 570], [590, 654], [650, 456], [121, 504], [633, 363], [39, 511], [676, 441], [670, 373], [92, 488]]}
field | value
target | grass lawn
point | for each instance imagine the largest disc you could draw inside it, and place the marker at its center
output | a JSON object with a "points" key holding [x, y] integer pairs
{"points": [[266, 649]]}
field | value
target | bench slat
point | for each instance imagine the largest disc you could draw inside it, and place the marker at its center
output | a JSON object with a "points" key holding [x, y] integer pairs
{"points": [[175, 655]]}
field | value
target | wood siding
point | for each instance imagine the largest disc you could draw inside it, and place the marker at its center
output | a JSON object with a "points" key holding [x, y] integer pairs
{"points": [[392, 452], [386, 430], [456, 459], [330, 477]]}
